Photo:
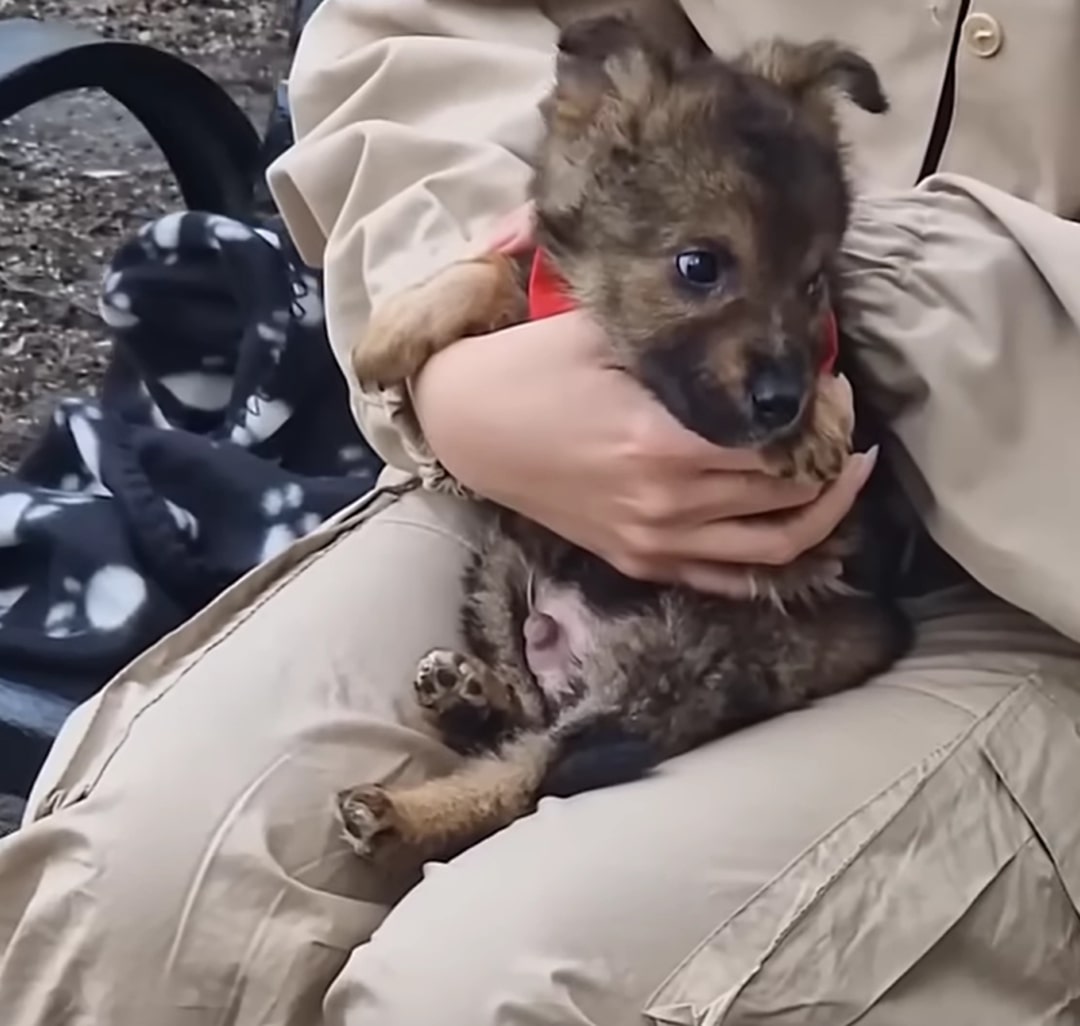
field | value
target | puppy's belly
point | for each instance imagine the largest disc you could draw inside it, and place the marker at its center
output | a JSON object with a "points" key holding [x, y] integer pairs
{"points": [[560, 632]]}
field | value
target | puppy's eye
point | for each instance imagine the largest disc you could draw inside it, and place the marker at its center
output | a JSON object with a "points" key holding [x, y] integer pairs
{"points": [[701, 268]]}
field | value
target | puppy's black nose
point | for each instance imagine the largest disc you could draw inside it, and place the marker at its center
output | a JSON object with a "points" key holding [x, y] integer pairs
{"points": [[776, 395]]}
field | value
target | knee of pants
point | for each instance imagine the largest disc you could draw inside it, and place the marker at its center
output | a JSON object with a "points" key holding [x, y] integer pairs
{"points": [[197, 861], [575, 915], [122, 909], [504, 936]]}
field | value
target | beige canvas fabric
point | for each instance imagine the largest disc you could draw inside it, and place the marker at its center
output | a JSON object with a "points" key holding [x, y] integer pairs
{"points": [[899, 855]]}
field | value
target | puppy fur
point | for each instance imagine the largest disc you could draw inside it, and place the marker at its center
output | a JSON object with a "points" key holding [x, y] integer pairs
{"points": [[695, 207]]}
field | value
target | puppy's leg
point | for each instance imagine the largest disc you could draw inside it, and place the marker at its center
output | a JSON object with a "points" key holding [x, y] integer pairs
{"points": [[471, 297], [817, 456], [471, 707], [442, 817], [853, 639]]}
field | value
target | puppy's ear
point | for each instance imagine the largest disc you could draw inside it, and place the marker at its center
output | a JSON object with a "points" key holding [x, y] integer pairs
{"points": [[808, 72], [609, 69], [589, 52]]}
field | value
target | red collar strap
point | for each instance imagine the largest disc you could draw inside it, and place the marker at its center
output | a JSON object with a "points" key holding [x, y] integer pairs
{"points": [[547, 291], [548, 297], [832, 344]]}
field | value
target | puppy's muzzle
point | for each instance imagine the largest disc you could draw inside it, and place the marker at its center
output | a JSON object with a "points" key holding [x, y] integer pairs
{"points": [[776, 392], [766, 401]]}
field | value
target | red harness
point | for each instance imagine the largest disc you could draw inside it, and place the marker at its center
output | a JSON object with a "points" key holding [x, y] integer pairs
{"points": [[548, 296]]}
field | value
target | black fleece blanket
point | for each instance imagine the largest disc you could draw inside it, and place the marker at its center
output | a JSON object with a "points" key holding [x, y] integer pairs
{"points": [[221, 434]]}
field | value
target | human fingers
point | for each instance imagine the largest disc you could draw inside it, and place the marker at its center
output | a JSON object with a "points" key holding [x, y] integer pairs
{"points": [[659, 433], [734, 582], [674, 503], [719, 495], [778, 539], [653, 437]]}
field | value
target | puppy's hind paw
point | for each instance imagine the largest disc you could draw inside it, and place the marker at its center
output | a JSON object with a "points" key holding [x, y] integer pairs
{"points": [[367, 816], [468, 706], [445, 678]]}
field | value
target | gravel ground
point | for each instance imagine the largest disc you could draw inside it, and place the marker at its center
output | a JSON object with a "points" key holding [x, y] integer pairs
{"points": [[77, 175]]}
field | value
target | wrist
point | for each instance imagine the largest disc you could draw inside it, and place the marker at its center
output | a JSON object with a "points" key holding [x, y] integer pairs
{"points": [[430, 388]]}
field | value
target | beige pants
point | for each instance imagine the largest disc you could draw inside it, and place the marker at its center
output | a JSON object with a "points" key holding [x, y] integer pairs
{"points": [[893, 851], [906, 854]]}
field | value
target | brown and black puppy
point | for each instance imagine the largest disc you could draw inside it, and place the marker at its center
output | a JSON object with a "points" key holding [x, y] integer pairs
{"points": [[695, 208]]}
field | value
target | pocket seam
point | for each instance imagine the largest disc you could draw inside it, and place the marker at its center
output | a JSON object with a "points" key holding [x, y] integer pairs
{"points": [[794, 918]]}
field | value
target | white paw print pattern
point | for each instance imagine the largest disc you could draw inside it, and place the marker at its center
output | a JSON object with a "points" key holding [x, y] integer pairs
{"points": [[19, 508], [201, 390], [283, 510], [268, 236], [114, 305], [307, 304], [165, 231], [225, 229], [108, 600], [184, 519], [275, 333], [12, 508], [352, 454], [80, 418], [260, 418]]}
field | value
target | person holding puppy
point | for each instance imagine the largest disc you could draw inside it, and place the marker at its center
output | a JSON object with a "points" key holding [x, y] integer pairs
{"points": [[901, 853]]}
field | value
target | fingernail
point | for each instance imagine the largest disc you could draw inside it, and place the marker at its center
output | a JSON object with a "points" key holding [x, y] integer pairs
{"points": [[867, 460], [870, 456]]}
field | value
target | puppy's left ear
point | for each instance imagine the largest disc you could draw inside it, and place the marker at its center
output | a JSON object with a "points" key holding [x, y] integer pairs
{"points": [[606, 68], [806, 72], [597, 59]]}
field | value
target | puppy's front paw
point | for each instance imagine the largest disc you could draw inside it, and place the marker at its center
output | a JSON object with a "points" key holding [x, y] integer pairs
{"points": [[472, 297], [399, 338], [820, 452], [369, 820], [814, 574], [469, 706], [818, 460]]}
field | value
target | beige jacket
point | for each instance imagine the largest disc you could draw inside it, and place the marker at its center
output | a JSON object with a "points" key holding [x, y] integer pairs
{"points": [[416, 119], [904, 854]]}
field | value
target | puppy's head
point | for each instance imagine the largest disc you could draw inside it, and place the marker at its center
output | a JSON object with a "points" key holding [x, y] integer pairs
{"points": [[696, 206]]}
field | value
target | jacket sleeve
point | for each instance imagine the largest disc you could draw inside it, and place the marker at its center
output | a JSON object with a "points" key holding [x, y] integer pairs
{"points": [[414, 121], [964, 305]]}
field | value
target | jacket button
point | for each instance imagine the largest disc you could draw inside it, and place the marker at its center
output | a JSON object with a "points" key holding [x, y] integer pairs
{"points": [[982, 34]]}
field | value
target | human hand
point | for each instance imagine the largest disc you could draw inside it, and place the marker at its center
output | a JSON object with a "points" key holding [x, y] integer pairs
{"points": [[535, 419]]}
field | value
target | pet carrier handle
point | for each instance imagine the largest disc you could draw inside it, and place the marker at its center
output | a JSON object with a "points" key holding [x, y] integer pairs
{"points": [[207, 140]]}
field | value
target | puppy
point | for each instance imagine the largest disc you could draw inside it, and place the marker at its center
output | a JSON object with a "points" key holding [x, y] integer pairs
{"points": [[694, 207]]}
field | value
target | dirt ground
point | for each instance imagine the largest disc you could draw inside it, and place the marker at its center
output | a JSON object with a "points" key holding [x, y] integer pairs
{"points": [[78, 175]]}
